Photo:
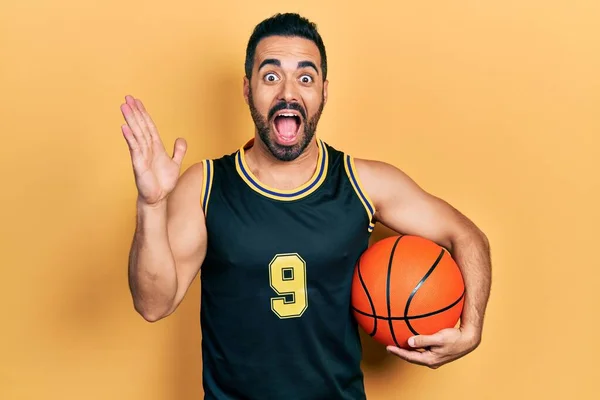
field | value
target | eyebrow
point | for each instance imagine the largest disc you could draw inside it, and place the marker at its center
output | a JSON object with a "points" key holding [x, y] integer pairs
{"points": [[304, 64], [272, 61], [276, 62]]}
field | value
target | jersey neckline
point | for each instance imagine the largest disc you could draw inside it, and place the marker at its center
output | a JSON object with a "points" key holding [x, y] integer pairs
{"points": [[302, 191]]}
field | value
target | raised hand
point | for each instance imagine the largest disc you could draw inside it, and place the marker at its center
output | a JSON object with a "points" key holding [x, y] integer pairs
{"points": [[155, 172]]}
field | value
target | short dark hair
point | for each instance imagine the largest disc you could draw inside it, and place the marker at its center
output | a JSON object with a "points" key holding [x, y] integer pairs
{"points": [[287, 24]]}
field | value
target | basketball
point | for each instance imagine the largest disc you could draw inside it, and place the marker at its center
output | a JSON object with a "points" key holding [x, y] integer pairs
{"points": [[404, 286]]}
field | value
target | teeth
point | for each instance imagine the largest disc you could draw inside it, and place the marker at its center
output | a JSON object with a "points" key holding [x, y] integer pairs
{"points": [[287, 115]]}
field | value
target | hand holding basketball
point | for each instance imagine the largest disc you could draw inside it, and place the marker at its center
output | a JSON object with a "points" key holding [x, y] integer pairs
{"points": [[408, 294], [155, 172], [440, 348]]}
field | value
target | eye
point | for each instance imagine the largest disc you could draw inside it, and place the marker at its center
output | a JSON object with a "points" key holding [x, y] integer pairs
{"points": [[271, 77], [306, 79]]}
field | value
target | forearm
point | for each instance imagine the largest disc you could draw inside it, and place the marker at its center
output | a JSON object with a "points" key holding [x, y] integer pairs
{"points": [[471, 252], [152, 272]]}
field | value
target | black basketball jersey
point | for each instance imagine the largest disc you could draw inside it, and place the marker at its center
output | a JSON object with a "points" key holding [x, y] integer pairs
{"points": [[276, 282]]}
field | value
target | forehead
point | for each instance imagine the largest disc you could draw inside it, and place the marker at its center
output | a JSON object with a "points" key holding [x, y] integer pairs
{"points": [[292, 49]]}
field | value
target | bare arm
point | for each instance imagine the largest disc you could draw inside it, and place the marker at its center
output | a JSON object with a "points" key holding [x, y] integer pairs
{"points": [[406, 208], [168, 248], [169, 243]]}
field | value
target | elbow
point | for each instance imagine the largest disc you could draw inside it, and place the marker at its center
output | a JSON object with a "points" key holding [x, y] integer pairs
{"points": [[483, 240], [469, 234], [151, 314], [478, 236], [151, 317]]}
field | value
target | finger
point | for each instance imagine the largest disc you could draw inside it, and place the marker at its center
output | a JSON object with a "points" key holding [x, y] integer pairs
{"points": [[134, 126], [130, 138], [426, 341], [154, 137], [137, 114], [179, 150], [134, 147], [137, 158], [147, 119], [421, 358]]}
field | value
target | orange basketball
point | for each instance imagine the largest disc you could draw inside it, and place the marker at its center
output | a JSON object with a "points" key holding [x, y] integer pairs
{"points": [[405, 286]]}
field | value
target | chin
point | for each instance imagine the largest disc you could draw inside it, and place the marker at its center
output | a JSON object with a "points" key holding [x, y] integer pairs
{"points": [[286, 148]]}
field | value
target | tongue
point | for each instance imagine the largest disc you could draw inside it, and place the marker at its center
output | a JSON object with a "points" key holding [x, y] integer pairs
{"points": [[286, 127]]}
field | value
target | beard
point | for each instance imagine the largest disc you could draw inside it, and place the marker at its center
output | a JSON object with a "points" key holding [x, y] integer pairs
{"points": [[265, 132]]}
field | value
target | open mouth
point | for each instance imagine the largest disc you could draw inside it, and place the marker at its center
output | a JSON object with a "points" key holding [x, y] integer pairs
{"points": [[287, 125]]}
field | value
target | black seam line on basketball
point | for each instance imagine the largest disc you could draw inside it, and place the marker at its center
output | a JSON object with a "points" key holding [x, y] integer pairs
{"points": [[412, 295], [429, 314], [362, 282], [387, 291]]}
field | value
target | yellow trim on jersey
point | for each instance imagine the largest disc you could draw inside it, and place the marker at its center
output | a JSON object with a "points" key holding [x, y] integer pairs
{"points": [[207, 180], [359, 189], [279, 194]]}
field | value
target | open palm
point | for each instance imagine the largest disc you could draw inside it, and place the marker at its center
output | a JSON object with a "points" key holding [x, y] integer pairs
{"points": [[155, 172]]}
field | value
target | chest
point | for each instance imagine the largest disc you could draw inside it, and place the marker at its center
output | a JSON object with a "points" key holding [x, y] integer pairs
{"points": [[319, 239]]}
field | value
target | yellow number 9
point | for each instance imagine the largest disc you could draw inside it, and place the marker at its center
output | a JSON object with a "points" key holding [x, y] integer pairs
{"points": [[287, 275]]}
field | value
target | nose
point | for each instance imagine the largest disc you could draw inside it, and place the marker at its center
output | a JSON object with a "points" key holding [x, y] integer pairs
{"points": [[289, 91]]}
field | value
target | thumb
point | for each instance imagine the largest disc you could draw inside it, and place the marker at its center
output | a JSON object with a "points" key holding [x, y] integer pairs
{"points": [[179, 150]]}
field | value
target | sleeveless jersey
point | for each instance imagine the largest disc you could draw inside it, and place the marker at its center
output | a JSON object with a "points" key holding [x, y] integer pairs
{"points": [[276, 281]]}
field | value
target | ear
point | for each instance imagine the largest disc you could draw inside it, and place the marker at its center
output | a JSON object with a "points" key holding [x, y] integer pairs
{"points": [[325, 85], [246, 89]]}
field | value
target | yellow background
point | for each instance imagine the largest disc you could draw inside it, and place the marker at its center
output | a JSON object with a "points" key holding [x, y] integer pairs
{"points": [[493, 106]]}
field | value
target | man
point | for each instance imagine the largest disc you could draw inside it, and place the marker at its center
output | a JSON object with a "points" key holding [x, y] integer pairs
{"points": [[276, 228]]}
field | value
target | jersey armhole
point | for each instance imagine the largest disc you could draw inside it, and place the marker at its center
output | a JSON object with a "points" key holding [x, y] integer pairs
{"points": [[364, 198], [207, 180]]}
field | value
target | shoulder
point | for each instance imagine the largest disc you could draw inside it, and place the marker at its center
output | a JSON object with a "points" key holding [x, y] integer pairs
{"points": [[188, 192], [199, 176], [200, 171], [377, 174], [371, 169], [386, 183], [192, 175]]}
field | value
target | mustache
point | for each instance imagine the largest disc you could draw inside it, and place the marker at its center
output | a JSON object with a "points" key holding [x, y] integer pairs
{"points": [[283, 105]]}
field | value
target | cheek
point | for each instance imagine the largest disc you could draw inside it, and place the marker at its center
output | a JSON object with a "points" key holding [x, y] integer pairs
{"points": [[313, 100], [263, 98]]}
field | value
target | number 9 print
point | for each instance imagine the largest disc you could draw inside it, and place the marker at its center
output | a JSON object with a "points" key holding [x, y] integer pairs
{"points": [[287, 275]]}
